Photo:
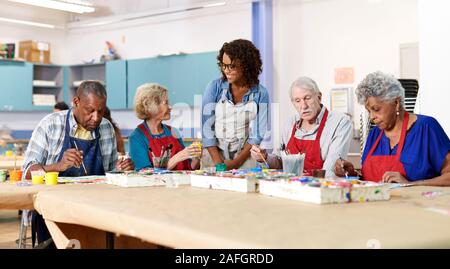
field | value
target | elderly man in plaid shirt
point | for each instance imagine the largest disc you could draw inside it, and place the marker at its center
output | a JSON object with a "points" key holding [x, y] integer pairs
{"points": [[75, 142]]}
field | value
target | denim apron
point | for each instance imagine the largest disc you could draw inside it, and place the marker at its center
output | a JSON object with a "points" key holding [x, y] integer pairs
{"points": [[93, 161]]}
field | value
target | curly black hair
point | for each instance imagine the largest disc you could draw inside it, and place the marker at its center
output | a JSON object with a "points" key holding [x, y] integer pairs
{"points": [[247, 56]]}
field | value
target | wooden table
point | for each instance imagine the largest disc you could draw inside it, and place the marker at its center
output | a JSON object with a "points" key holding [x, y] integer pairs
{"points": [[190, 217], [14, 197]]}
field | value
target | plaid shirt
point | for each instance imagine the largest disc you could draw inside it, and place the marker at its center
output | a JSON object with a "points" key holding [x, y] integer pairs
{"points": [[48, 137]]}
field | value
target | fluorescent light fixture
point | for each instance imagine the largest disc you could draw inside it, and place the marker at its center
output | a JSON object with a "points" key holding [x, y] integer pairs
{"points": [[74, 6], [141, 15], [215, 4], [44, 25]]}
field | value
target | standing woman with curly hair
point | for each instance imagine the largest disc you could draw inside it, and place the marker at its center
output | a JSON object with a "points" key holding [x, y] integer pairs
{"points": [[234, 107]]}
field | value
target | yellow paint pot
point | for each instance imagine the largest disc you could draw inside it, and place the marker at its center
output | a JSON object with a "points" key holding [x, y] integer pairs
{"points": [[37, 177], [51, 178]]}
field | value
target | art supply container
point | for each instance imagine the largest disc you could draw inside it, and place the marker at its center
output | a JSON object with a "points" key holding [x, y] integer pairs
{"points": [[220, 167], [199, 146], [293, 163], [51, 178], [159, 162], [15, 175], [3, 174], [37, 177]]}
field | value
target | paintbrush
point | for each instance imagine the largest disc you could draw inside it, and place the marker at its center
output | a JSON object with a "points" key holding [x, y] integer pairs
{"points": [[265, 162], [243, 143], [151, 151], [82, 162], [163, 156]]}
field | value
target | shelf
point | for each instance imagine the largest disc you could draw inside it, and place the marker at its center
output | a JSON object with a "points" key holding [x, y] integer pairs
{"points": [[86, 65], [49, 81], [47, 65], [82, 72], [48, 87], [12, 60], [36, 107]]}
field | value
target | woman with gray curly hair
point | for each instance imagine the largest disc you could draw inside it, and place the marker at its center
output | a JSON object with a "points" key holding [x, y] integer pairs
{"points": [[402, 147], [154, 144]]}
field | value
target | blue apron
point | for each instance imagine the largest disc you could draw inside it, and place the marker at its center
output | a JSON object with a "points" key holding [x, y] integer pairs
{"points": [[93, 161], [92, 155]]}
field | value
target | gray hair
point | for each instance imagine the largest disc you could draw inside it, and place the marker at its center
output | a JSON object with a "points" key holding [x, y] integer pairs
{"points": [[147, 99], [381, 85], [92, 86], [304, 83]]}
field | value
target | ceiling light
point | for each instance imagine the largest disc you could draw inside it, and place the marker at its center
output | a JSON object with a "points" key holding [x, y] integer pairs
{"points": [[74, 6], [215, 4], [142, 15], [44, 25]]}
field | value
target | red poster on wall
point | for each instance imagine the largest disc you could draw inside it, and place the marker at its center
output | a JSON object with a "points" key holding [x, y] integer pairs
{"points": [[344, 75]]}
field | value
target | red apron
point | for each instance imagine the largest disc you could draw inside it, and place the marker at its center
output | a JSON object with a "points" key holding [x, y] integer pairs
{"points": [[156, 145], [313, 158], [374, 167]]}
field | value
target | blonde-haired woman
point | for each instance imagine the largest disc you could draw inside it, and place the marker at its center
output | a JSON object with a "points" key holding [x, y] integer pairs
{"points": [[154, 144]]}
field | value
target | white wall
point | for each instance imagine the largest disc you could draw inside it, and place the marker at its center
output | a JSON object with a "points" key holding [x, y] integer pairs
{"points": [[13, 33], [312, 38], [190, 32], [56, 38], [434, 54]]}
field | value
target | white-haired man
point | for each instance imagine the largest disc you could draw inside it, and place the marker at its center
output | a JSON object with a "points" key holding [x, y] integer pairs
{"points": [[324, 136]]}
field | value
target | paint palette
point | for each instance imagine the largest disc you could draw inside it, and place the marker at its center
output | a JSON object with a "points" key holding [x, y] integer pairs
{"points": [[148, 178], [236, 180], [367, 191], [324, 191]]}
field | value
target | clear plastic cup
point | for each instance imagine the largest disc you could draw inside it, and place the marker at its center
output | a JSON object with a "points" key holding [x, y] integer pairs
{"points": [[293, 163], [160, 163]]}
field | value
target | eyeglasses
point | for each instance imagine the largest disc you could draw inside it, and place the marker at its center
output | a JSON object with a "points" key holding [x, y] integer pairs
{"points": [[223, 66]]}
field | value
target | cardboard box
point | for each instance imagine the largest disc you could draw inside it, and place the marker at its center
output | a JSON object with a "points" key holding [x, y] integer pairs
{"points": [[35, 51]]}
